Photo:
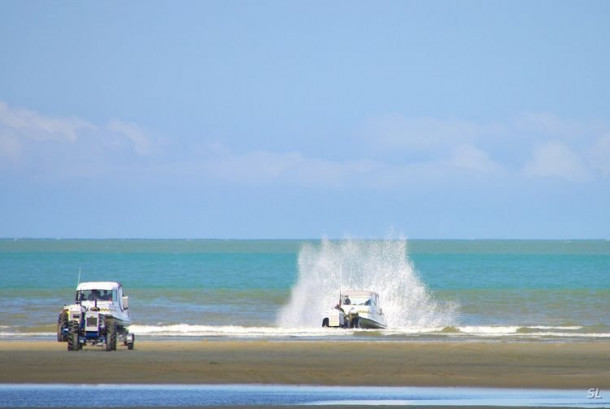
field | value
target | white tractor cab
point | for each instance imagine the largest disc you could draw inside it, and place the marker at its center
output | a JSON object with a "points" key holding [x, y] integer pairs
{"points": [[99, 316]]}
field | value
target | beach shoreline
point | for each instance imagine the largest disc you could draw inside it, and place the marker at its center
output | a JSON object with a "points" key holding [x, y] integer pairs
{"points": [[579, 365]]}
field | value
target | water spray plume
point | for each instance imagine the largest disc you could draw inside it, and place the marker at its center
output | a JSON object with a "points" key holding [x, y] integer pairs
{"points": [[329, 267]]}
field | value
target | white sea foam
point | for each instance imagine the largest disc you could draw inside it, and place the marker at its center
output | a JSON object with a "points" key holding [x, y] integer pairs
{"points": [[489, 330], [380, 266], [186, 330], [555, 327], [483, 331], [273, 332], [523, 331], [17, 334]]}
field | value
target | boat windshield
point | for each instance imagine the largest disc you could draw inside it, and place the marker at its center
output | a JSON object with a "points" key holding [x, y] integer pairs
{"points": [[92, 295], [358, 300]]}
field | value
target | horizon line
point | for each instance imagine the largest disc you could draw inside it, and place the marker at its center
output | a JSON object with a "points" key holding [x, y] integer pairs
{"points": [[299, 239]]}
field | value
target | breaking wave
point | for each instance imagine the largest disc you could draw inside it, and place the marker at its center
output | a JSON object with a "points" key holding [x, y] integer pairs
{"points": [[326, 268], [455, 333], [449, 332]]}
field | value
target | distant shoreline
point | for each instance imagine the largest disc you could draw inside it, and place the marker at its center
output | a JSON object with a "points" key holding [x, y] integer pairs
{"points": [[580, 365]]}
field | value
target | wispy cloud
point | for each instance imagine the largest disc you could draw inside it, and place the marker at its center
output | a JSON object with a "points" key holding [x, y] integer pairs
{"points": [[141, 142], [416, 136], [532, 145], [24, 123], [22, 130], [392, 151], [67, 146], [556, 159], [572, 150], [472, 158], [221, 164]]}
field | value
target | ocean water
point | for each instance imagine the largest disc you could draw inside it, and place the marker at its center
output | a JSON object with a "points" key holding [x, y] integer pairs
{"points": [[279, 289]]}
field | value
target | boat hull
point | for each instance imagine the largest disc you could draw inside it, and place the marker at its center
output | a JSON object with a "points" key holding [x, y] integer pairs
{"points": [[367, 323], [356, 309]]}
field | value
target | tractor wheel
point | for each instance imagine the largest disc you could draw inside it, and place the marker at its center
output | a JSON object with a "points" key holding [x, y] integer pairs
{"points": [[73, 337], [62, 322], [111, 334]]}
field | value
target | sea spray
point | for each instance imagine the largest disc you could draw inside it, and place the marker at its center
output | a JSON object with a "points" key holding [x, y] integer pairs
{"points": [[329, 267]]}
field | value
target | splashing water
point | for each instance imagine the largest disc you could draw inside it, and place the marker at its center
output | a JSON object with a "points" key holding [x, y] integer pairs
{"points": [[331, 266]]}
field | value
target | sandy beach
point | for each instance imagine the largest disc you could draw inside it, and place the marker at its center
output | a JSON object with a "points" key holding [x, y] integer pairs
{"points": [[488, 364]]}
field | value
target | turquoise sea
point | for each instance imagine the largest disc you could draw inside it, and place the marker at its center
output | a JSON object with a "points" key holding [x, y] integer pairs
{"points": [[279, 289]]}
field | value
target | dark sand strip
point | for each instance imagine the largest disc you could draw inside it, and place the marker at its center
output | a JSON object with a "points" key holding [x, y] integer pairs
{"points": [[580, 365]]}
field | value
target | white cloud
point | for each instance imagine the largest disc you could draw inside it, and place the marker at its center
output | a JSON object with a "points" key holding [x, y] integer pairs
{"points": [[396, 151], [262, 167], [579, 152], [28, 124], [444, 147], [142, 144], [472, 158], [417, 135], [556, 159], [550, 127], [68, 147]]}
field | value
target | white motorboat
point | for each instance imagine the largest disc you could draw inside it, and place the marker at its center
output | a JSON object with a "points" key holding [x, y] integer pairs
{"points": [[356, 309], [106, 297]]}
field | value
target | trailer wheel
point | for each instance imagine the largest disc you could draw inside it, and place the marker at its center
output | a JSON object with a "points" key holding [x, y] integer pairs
{"points": [[111, 333], [62, 322], [73, 337], [131, 344], [325, 323]]}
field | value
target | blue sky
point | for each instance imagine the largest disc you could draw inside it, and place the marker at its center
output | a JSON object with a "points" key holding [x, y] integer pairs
{"points": [[278, 119]]}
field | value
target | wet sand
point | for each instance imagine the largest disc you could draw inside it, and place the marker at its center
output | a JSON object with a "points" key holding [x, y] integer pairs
{"points": [[581, 365]]}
